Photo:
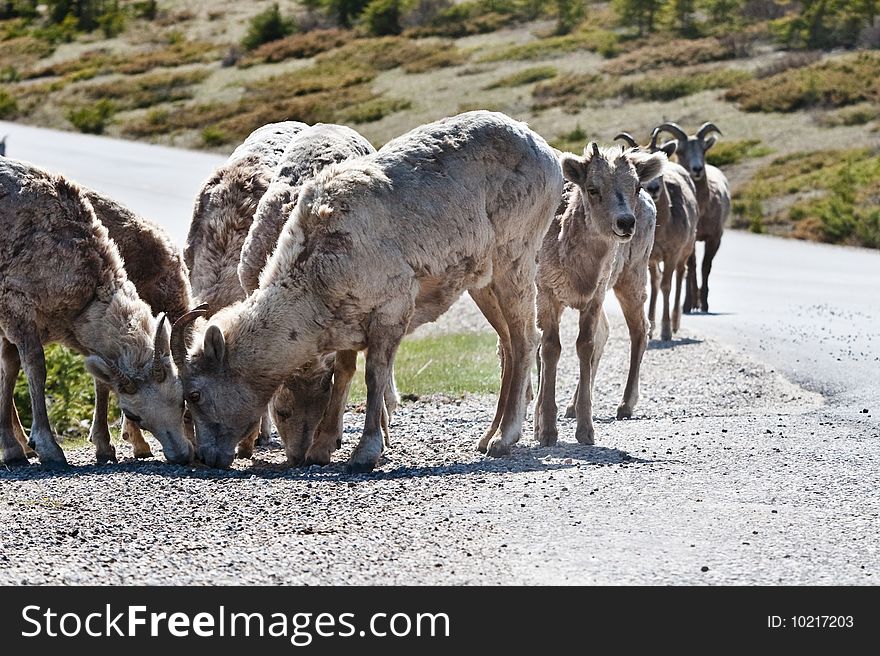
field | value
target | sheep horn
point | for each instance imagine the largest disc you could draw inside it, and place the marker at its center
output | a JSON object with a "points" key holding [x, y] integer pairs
{"points": [[673, 128], [653, 145], [178, 335], [627, 137], [158, 370], [706, 128], [123, 382]]}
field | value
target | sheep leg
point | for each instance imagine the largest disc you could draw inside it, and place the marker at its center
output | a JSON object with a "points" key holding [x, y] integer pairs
{"points": [[328, 435], [392, 400], [666, 290], [586, 344], [245, 448], [380, 363], [488, 303], [12, 450], [571, 410], [691, 295], [632, 302], [676, 307], [265, 429], [516, 297], [132, 434], [42, 438], [709, 255], [654, 269], [99, 434], [17, 428], [546, 432]]}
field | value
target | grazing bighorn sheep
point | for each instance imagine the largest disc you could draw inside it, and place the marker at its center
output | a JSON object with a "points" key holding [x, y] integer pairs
{"points": [[674, 196], [155, 266], [299, 404], [713, 197], [602, 238], [221, 219], [62, 280], [376, 247]]}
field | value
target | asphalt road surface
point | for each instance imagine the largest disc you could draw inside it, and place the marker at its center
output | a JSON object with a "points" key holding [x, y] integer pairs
{"points": [[754, 455]]}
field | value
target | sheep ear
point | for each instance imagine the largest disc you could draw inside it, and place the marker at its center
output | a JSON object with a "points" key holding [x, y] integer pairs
{"points": [[668, 148], [215, 344], [574, 168], [648, 165], [709, 142], [100, 369]]}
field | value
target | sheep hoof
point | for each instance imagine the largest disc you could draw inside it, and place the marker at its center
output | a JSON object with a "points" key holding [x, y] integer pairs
{"points": [[356, 467], [497, 448], [30, 453], [571, 412], [103, 457], [14, 456], [624, 411], [54, 463], [263, 439], [321, 458], [548, 438], [585, 436], [666, 335]]}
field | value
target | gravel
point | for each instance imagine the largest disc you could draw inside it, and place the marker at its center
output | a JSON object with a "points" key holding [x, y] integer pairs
{"points": [[728, 473]]}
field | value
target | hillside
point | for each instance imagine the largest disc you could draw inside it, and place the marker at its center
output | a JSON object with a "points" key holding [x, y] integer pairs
{"points": [[800, 125]]}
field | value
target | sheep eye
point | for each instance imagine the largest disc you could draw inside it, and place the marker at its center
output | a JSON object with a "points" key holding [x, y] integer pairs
{"points": [[194, 396], [593, 192]]}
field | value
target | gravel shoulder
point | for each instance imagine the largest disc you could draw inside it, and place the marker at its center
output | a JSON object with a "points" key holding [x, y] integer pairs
{"points": [[726, 466]]}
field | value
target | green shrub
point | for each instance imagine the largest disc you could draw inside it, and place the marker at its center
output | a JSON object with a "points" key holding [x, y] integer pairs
{"points": [[8, 104], [526, 76], [298, 46], [572, 91], [382, 17], [677, 52], [268, 25], [572, 141], [92, 118], [828, 84], [138, 91], [214, 136], [69, 393], [656, 86], [594, 40], [725, 153], [112, 21], [375, 109]]}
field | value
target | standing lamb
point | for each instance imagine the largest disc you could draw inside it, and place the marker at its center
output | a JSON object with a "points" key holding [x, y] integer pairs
{"points": [[713, 197], [221, 219], [62, 280], [376, 247], [674, 196], [299, 405], [602, 238], [155, 266]]}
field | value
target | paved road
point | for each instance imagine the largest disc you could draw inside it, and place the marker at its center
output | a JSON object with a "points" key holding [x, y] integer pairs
{"points": [[158, 182], [749, 460]]}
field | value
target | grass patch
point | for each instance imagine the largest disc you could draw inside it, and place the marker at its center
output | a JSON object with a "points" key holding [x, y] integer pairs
{"points": [[375, 109], [444, 57], [572, 141], [140, 91], [663, 87], [854, 115], [213, 136], [298, 46], [604, 42], [828, 84], [69, 394], [678, 52], [830, 195], [571, 92], [526, 76], [453, 365], [725, 153]]}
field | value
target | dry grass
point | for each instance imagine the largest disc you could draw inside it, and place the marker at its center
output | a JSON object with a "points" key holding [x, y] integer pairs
{"points": [[139, 91], [525, 76], [593, 40], [679, 52], [298, 46]]}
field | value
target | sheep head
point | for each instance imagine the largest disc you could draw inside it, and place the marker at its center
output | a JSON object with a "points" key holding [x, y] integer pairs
{"points": [[654, 187], [691, 150], [151, 395], [224, 404], [610, 180]]}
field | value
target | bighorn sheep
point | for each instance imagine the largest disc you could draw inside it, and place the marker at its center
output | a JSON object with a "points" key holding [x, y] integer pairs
{"points": [[222, 217], [713, 197], [62, 280], [674, 195], [377, 246], [299, 404], [602, 238], [155, 266]]}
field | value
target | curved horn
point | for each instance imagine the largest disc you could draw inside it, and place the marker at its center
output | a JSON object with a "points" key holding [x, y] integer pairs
{"points": [[673, 128], [158, 369], [706, 128], [123, 382], [178, 335], [627, 137], [656, 133]]}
